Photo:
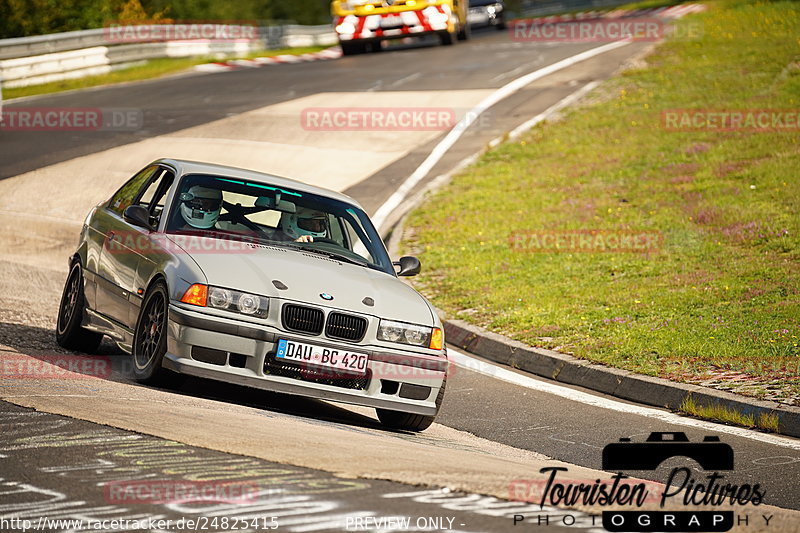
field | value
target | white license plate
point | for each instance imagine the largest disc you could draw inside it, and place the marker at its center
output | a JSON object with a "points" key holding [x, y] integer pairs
{"points": [[311, 354]]}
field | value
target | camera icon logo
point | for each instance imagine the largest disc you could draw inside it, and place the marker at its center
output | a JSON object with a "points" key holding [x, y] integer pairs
{"points": [[711, 454]]}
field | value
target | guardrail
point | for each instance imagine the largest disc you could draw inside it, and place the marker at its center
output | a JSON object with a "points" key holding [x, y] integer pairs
{"points": [[45, 58]]}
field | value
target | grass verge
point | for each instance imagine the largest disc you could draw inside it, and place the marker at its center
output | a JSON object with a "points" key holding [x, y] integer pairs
{"points": [[717, 299], [719, 413], [153, 68]]}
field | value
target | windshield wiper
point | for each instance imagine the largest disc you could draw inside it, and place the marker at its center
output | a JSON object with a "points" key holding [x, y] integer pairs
{"points": [[334, 255]]}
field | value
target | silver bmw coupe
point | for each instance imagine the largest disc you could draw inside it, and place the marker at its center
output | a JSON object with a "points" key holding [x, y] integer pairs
{"points": [[256, 280]]}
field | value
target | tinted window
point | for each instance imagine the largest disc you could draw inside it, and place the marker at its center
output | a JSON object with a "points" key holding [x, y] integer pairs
{"points": [[155, 193], [224, 207], [127, 193]]}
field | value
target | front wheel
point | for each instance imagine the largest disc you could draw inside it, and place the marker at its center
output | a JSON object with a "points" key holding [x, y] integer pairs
{"points": [[464, 32], [350, 48], [446, 37], [410, 421], [69, 332], [150, 336]]}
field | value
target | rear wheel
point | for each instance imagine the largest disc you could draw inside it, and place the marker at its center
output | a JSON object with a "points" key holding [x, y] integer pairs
{"points": [[410, 421], [150, 336], [69, 332]]}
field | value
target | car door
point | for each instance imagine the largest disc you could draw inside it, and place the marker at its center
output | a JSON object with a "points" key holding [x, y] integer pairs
{"points": [[122, 249], [97, 234], [151, 253]]}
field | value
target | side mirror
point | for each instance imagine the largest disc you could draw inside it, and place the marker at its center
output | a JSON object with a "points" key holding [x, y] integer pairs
{"points": [[409, 266], [137, 215]]}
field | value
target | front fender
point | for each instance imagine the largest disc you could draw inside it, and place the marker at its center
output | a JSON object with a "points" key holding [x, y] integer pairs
{"points": [[172, 263]]}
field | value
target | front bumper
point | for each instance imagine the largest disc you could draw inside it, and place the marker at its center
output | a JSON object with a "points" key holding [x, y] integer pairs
{"points": [[478, 18], [228, 350], [396, 25]]}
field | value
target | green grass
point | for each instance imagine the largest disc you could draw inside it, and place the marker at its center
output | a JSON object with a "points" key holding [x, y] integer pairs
{"points": [[765, 421], [650, 4], [642, 4], [723, 291], [153, 68]]}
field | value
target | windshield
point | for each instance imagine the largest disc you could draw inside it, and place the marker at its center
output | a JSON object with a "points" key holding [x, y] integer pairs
{"points": [[219, 207]]}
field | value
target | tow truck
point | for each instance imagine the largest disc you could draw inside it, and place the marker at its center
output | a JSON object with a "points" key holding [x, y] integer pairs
{"points": [[361, 25]]}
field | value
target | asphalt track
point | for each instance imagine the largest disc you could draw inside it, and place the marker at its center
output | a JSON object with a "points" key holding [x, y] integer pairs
{"points": [[494, 435]]}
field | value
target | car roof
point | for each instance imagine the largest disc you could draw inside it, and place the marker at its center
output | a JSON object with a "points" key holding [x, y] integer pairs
{"points": [[196, 167]]}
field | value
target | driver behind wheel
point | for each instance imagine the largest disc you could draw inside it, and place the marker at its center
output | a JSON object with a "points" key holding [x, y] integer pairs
{"points": [[305, 224], [200, 206]]}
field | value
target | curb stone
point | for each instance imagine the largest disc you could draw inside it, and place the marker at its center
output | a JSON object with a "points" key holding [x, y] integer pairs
{"points": [[623, 384], [235, 64]]}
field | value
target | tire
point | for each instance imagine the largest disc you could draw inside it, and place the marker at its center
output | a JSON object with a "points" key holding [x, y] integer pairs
{"points": [[502, 25], [150, 337], [69, 332], [464, 32], [351, 48], [446, 38], [409, 421]]}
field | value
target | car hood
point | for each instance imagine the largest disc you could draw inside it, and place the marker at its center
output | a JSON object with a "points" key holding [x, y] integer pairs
{"points": [[261, 269]]}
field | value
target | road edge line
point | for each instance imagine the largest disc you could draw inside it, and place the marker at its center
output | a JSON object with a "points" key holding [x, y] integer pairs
{"points": [[623, 384], [524, 379], [455, 133]]}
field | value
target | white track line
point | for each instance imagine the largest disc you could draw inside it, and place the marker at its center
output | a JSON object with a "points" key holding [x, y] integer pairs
{"points": [[488, 369], [455, 133]]}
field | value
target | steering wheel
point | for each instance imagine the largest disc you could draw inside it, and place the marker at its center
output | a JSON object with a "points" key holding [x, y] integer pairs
{"points": [[326, 240]]}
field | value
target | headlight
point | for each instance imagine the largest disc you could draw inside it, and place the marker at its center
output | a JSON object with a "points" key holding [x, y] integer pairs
{"points": [[402, 333], [228, 299], [220, 298], [346, 27], [249, 304]]}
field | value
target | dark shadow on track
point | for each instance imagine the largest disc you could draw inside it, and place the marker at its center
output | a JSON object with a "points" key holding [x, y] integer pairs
{"points": [[40, 344]]}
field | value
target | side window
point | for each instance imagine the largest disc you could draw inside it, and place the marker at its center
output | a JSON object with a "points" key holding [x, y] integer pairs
{"points": [[154, 195], [126, 194]]}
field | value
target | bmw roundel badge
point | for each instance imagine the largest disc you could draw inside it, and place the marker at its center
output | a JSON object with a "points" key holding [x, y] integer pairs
{"points": [[326, 296]]}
